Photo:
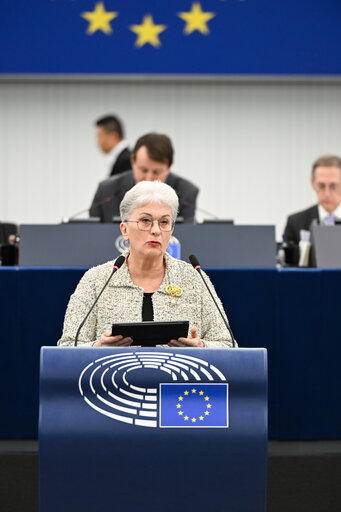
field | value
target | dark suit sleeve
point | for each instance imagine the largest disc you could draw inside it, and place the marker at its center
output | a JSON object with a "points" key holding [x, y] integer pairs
{"points": [[187, 209], [109, 194], [188, 201], [95, 208], [291, 233], [122, 163], [298, 221]]}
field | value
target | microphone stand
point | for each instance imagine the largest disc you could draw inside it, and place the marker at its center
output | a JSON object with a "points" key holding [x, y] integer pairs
{"points": [[195, 263], [66, 220], [118, 263]]}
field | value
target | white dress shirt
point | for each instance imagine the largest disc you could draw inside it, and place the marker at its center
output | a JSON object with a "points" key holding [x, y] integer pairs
{"points": [[323, 214]]}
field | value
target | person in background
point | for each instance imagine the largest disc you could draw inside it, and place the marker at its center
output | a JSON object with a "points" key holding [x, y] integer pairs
{"points": [[110, 139], [150, 285], [326, 182], [151, 160], [9, 244]]}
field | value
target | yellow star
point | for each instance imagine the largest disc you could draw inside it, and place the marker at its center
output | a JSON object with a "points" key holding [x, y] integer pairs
{"points": [[207, 398], [181, 397], [201, 418], [209, 406], [178, 406], [186, 418], [201, 392], [194, 420], [99, 19], [181, 413], [207, 413], [147, 32], [196, 19], [186, 392], [194, 390]]}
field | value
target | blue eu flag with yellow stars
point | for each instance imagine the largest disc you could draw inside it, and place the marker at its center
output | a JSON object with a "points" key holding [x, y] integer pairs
{"points": [[193, 405]]}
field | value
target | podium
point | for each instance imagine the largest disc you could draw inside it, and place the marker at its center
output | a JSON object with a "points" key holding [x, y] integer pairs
{"points": [[153, 429]]}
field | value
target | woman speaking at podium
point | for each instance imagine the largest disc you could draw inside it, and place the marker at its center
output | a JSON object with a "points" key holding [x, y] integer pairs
{"points": [[149, 285]]}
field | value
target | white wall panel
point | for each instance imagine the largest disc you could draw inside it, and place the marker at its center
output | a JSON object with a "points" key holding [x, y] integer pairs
{"points": [[249, 146]]}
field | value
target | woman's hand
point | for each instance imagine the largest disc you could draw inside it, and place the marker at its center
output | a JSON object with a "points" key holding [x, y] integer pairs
{"points": [[106, 340], [192, 341]]}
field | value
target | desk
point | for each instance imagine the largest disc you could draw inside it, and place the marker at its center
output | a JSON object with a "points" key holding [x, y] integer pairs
{"points": [[292, 313]]}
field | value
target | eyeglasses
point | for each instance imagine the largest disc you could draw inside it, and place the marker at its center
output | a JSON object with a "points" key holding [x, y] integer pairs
{"points": [[145, 224], [321, 187]]}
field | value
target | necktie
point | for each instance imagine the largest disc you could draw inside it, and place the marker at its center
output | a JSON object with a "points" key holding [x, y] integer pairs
{"points": [[330, 220]]}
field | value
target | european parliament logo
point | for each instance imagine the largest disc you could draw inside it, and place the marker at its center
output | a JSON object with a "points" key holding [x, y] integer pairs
{"points": [[159, 389]]}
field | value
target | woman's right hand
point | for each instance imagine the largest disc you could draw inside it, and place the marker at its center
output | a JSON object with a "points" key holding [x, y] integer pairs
{"points": [[106, 340]]}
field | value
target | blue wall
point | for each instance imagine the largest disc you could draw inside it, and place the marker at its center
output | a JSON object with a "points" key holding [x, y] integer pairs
{"points": [[252, 37]]}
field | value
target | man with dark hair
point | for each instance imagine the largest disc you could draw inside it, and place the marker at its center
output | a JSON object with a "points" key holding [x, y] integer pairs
{"points": [[151, 160], [326, 182], [110, 139]]}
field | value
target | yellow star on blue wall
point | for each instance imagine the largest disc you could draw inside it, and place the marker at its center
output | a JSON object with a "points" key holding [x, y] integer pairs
{"points": [[196, 19], [99, 19], [148, 32]]}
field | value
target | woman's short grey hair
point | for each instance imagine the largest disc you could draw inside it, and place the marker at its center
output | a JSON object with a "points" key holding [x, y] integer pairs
{"points": [[146, 192]]}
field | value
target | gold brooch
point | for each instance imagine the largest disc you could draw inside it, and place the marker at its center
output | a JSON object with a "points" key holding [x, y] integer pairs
{"points": [[173, 291]]}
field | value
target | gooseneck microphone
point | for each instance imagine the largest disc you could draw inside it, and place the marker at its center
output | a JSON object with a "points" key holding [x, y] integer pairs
{"points": [[118, 264], [195, 263], [94, 205], [200, 210]]}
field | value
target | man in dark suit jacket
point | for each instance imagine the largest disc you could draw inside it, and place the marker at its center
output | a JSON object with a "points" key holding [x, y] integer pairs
{"points": [[298, 221], [151, 160], [326, 182], [110, 139]]}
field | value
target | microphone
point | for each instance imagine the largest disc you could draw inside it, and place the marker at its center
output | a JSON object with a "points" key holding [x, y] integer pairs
{"points": [[200, 210], [118, 264], [99, 203], [195, 263]]}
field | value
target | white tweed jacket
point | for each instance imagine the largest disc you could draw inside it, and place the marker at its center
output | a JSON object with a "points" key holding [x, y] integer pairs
{"points": [[121, 301]]}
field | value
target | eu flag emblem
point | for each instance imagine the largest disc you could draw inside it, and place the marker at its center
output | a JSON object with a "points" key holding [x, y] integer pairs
{"points": [[193, 405]]}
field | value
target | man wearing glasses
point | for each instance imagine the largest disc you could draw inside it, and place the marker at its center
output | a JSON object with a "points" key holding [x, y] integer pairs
{"points": [[151, 160], [326, 181]]}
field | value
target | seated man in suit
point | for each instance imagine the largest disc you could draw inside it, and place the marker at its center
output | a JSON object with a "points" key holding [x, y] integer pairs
{"points": [[326, 182], [110, 139], [151, 160]]}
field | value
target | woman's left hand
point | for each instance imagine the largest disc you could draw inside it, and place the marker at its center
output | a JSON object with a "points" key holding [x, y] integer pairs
{"points": [[192, 341]]}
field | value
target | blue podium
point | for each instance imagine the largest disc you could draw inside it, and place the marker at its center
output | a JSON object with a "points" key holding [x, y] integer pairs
{"points": [[153, 429]]}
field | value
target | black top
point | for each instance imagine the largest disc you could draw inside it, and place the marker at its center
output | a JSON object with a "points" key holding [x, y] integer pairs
{"points": [[147, 308]]}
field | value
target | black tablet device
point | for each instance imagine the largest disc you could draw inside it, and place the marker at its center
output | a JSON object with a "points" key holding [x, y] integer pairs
{"points": [[149, 334]]}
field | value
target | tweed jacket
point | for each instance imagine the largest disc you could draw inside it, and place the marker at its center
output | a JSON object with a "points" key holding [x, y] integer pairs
{"points": [[122, 302]]}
